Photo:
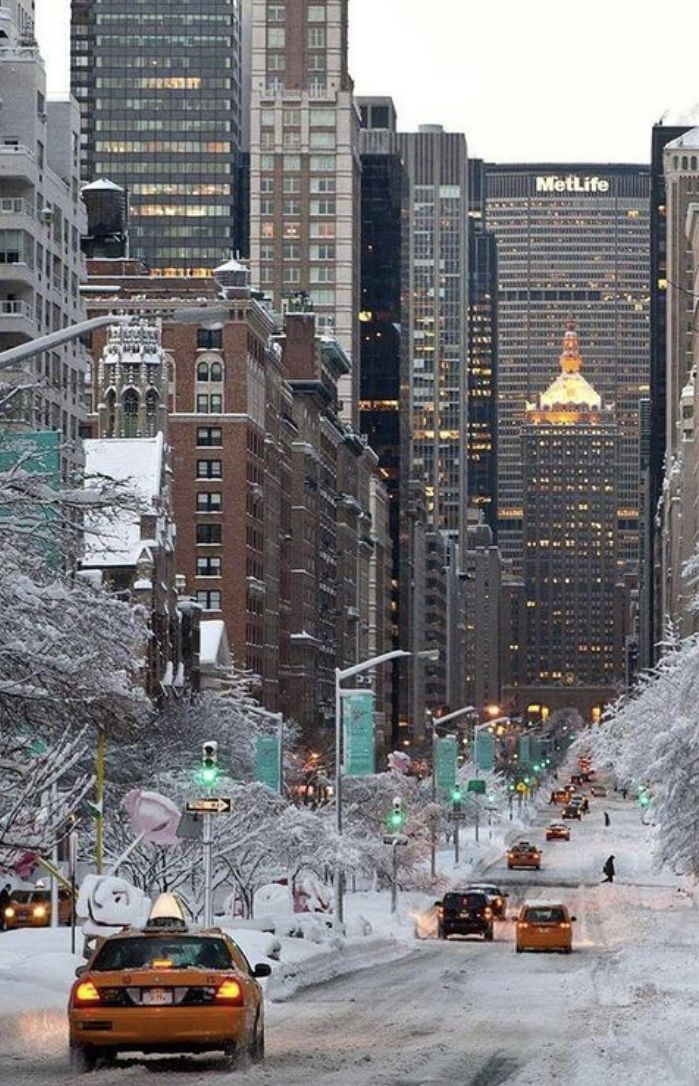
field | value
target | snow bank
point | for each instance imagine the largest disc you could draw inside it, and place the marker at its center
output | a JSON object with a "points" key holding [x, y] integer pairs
{"points": [[342, 957]]}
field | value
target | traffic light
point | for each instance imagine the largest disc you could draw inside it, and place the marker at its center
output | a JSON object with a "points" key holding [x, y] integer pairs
{"points": [[456, 794], [208, 770], [643, 797], [396, 819]]}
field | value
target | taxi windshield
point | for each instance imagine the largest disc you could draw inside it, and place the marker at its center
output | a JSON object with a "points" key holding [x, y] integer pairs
{"points": [[545, 915], [186, 952]]}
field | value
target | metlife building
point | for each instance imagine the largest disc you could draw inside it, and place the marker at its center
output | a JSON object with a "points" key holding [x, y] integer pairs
{"points": [[573, 244]]}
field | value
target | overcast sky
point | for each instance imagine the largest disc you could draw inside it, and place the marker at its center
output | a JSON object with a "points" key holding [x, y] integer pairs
{"points": [[524, 81]]}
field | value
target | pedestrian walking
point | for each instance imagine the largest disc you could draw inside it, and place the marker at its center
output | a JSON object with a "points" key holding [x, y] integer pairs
{"points": [[607, 819], [5, 898], [609, 870], [624, 793]]}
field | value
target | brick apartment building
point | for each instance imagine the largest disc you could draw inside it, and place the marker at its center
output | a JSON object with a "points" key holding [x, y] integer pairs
{"points": [[283, 552]]}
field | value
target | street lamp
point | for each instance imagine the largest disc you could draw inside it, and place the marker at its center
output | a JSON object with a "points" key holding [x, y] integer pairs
{"points": [[340, 675]]}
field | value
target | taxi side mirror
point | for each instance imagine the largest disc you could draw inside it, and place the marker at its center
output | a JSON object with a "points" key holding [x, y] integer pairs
{"points": [[437, 904], [262, 969], [573, 919], [81, 971]]}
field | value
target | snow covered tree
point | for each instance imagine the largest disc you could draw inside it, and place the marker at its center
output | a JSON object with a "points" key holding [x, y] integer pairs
{"points": [[41, 789]]}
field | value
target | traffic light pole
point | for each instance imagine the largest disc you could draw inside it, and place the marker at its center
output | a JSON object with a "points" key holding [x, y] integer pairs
{"points": [[206, 846], [457, 816], [394, 878], [435, 824]]}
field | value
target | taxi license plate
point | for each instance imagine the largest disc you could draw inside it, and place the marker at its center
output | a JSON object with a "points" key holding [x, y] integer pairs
{"points": [[156, 997]]}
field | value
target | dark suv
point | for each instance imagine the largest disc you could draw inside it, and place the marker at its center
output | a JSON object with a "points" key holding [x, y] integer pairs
{"points": [[465, 913]]}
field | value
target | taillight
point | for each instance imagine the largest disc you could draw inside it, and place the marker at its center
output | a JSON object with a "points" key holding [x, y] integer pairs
{"points": [[230, 992], [488, 913], [522, 924], [564, 924], [86, 993]]}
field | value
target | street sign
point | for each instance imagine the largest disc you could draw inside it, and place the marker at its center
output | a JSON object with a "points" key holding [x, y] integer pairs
{"points": [[456, 816], [190, 827], [395, 839], [358, 727], [209, 805], [476, 786], [521, 786], [445, 751]]}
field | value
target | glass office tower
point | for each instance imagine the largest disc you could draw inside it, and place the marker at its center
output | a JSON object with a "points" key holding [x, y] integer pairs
{"points": [[573, 243], [158, 83]]}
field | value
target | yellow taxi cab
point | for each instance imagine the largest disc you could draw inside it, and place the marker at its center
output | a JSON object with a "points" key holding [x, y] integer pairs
{"points": [[32, 909], [557, 831], [544, 925], [167, 988], [561, 796], [524, 855]]}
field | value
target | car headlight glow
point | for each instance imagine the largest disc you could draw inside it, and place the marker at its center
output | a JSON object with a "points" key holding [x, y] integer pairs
{"points": [[39, 911], [9, 911]]}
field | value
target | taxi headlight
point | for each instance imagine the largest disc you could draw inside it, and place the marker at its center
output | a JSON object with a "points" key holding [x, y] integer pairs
{"points": [[9, 911], [39, 911]]}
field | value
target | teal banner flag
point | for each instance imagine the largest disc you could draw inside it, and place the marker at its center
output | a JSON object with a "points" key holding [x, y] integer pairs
{"points": [[358, 730], [525, 751], [268, 762], [485, 750], [445, 753]]}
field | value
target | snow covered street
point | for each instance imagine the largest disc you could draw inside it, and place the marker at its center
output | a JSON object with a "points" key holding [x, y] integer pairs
{"points": [[620, 1009]]}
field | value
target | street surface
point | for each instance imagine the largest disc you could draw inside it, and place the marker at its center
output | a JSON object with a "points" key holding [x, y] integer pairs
{"points": [[460, 1013]]}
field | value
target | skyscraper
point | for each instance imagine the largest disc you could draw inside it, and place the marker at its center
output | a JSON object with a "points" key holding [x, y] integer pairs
{"points": [[483, 351], [160, 96], [573, 240], [437, 165], [304, 169], [569, 441]]}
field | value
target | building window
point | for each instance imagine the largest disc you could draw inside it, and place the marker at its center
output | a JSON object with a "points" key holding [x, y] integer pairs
{"points": [[208, 338], [209, 436], [276, 38], [292, 184], [320, 138], [292, 207], [209, 600], [276, 13], [292, 275], [130, 403], [210, 502], [316, 13], [209, 403], [209, 469], [208, 534], [292, 252], [316, 37], [322, 207], [208, 567]]}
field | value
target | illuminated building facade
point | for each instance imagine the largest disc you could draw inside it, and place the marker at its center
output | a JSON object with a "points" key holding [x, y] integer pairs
{"points": [[304, 169], [572, 240], [483, 352], [569, 457], [159, 89]]}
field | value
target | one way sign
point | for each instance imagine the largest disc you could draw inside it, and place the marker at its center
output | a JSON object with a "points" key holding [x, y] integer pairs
{"points": [[209, 805]]}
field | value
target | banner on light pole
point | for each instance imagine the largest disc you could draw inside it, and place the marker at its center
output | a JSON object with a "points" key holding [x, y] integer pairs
{"points": [[525, 750], [445, 761], [358, 733], [485, 750], [268, 761]]}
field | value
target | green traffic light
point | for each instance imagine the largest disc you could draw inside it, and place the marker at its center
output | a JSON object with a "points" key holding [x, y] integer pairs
{"points": [[396, 820], [208, 774], [456, 795]]}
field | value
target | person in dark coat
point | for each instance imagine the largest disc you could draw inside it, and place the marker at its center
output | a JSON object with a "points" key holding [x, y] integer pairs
{"points": [[5, 898], [607, 819], [609, 870]]}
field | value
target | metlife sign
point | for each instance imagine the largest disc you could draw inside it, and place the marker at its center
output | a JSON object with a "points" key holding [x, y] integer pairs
{"points": [[572, 183]]}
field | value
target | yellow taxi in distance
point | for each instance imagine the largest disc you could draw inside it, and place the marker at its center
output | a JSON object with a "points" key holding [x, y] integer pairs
{"points": [[166, 988], [32, 909], [544, 925], [524, 855], [557, 831]]}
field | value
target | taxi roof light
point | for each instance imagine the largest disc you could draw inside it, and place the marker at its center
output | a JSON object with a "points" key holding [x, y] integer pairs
{"points": [[167, 912]]}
